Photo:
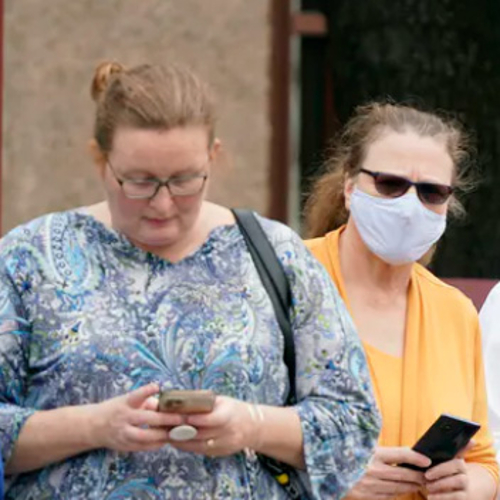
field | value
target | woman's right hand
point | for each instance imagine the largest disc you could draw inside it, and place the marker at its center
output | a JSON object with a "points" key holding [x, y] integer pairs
{"points": [[383, 479], [132, 422]]}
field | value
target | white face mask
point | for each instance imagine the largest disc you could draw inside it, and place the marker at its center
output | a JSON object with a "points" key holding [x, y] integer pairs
{"points": [[398, 230]]}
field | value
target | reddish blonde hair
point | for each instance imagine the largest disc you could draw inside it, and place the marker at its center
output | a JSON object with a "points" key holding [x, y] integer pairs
{"points": [[148, 97]]}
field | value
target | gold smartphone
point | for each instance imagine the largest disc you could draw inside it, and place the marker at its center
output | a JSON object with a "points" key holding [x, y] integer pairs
{"points": [[180, 401]]}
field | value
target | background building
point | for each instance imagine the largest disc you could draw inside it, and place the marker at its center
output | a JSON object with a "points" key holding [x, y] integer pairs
{"points": [[440, 54], [50, 52], [287, 74]]}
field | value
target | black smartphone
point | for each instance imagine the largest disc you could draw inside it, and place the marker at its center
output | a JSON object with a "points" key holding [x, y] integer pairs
{"points": [[444, 439]]}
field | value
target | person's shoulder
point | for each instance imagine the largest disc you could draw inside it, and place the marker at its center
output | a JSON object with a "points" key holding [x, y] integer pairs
{"points": [[489, 314], [277, 231], [450, 308], [271, 224], [493, 295], [443, 294], [286, 242], [435, 285], [37, 231], [314, 243], [490, 307]]}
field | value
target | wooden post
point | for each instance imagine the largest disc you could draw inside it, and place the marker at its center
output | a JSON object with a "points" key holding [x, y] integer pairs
{"points": [[279, 109]]}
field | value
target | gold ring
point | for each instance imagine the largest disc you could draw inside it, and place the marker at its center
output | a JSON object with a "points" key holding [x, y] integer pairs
{"points": [[210, 443]]}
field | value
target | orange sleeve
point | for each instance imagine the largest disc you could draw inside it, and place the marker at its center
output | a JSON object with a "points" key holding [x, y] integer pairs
{"points": [[483, 453]]}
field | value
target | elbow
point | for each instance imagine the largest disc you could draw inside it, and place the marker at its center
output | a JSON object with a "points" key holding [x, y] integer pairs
{"points": [[369, 418], [14, 465], [10, 468], [370, 424]]}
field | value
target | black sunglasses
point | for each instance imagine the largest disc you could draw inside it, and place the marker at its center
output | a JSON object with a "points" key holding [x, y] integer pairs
{"points": [[395, 186]]}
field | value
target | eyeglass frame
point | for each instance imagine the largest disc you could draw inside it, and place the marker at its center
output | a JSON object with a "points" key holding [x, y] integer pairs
{"points": [[410, 184], [159, 184]]}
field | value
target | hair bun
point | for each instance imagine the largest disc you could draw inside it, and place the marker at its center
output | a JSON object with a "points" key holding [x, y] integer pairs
{"points": [[102, 75]]}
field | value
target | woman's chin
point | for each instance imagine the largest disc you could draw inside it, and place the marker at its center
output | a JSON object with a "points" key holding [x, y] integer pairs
{"points": [[158, 240]]}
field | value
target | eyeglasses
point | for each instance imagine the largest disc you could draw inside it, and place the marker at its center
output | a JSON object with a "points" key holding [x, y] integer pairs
{"points": [[144, 189], [395, 186]]}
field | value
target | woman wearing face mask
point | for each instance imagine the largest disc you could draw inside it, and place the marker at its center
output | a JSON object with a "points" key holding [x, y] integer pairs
{"points": [[380, 207]]}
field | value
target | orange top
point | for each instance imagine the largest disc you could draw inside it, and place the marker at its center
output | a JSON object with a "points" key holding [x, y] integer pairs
{"points": [[442, 365], [387, 376]]}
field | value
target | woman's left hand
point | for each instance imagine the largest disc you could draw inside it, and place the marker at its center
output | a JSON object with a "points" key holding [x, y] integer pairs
{"points": [[448, 481], [229, 428]]}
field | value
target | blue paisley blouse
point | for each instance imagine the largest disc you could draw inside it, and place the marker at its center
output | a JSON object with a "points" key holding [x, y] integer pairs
{"points": [[86, 316]]}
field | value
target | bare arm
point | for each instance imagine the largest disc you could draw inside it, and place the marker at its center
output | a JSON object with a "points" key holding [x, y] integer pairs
{"points": [[280, 435], [482, 486], [51, 436], [457, 479], [235, 425], [383, 478], [124, 423]]}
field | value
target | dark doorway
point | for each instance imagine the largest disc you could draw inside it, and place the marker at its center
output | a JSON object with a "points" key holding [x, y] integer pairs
{"points": [[441, 54]]}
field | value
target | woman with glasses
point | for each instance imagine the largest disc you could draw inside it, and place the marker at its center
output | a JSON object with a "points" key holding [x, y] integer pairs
{"points": [[103, 306], [378, 210]]}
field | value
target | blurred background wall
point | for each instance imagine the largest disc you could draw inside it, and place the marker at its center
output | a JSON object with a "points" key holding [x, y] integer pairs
{"points": [[440, 54], [50, 51], [288, 73]]}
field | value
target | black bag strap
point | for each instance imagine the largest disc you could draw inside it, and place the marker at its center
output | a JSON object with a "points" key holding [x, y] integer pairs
{"points": [[275, 282]]}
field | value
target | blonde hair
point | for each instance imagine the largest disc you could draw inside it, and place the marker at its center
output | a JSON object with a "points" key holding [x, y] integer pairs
{"points": [[325, 209], [148, 97]]}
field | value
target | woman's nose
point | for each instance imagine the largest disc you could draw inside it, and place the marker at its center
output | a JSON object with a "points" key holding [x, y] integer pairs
{"points": [[162, 199]]}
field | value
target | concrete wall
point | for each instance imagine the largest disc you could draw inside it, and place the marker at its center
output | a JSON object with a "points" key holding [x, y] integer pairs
{"points": [[51, 49]]}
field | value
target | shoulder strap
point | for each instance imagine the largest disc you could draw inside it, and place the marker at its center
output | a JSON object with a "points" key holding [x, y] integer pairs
{"points": [[275, 282]]}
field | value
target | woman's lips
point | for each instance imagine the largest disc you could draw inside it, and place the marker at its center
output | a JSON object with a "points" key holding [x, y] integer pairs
{"points": [[157, 222]]}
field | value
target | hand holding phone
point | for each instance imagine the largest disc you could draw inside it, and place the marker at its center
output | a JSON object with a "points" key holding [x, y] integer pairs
{"points": [[444, 439], [187, 403]]}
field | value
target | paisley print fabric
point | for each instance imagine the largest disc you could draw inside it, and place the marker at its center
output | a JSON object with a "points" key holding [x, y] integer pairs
{"points": [[86, 316]]}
